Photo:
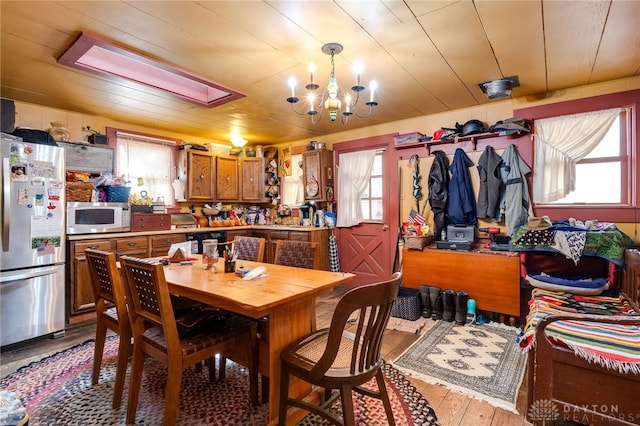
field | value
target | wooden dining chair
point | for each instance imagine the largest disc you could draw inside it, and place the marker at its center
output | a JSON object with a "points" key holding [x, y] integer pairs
{"points": [[111, 314], [335, 358], [249, 248], [302, 254], [150, 303]]}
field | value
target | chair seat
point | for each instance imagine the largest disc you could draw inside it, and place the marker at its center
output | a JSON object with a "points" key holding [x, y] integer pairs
{"points": [[234, 325], [310, 349]]}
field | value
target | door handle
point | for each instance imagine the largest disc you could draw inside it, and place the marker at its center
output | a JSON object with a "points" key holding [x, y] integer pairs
{"points": [[385, 227]]}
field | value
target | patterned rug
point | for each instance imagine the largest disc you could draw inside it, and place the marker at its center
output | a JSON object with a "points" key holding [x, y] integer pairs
{"points": [[57, 391], [481, 361]]}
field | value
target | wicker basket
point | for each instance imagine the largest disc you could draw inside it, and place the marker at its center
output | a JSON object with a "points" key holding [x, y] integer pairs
{"points": [[78, 191], [417, 242]]}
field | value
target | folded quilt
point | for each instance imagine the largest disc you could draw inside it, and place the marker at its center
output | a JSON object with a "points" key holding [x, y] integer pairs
{"points": [[544, 303], [614, 346]]}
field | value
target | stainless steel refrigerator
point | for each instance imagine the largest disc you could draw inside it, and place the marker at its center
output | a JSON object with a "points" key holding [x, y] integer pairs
{"points": [[32, 270]]}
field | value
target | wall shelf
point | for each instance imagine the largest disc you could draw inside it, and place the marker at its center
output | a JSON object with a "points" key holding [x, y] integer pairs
{"points": [[471, 138]]}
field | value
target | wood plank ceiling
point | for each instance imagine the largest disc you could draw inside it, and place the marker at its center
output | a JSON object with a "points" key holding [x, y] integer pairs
{"points": [[427, 56]]}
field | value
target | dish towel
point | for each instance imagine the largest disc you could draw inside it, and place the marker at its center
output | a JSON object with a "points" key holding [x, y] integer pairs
{"points": [[334, 261]]}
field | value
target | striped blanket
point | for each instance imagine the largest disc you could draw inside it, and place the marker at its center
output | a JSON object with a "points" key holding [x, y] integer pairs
{"points": [[614, 346]]}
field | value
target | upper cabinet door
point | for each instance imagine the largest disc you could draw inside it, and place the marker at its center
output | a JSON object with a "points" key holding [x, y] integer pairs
{"points": [[200, 174], [318, 175], [227, 182], [253, 180]]}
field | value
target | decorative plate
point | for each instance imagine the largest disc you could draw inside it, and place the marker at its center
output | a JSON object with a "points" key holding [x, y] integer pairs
{"points": [[312, 187]]}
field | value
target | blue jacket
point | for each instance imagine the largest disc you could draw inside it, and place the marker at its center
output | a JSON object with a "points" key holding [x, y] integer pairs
{"points": [[461, 208]]}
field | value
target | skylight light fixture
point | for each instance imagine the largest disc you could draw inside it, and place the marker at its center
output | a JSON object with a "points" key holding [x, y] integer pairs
{"points": [[99, 56], [498, 89], [333, 99]]}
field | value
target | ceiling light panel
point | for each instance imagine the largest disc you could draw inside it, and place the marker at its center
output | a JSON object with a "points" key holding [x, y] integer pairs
{"points": [[99, 56]]}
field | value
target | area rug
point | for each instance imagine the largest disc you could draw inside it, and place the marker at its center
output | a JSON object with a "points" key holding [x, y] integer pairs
{"points": [[57, 391], [480, 361]]}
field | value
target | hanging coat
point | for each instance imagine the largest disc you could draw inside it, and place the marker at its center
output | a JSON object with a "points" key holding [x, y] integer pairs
{"points": [[461, 208], [438, 184], [516, 203], [491, 186]]}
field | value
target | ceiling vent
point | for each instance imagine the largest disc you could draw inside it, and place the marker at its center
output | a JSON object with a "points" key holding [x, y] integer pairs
{"points": [[498, 89]]}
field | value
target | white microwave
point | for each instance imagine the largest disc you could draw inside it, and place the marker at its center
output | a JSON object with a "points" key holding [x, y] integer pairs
{"points": [[93, 218]]}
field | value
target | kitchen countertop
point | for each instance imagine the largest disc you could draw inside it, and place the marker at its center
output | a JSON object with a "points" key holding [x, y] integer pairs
{"points": [[299, 228]]}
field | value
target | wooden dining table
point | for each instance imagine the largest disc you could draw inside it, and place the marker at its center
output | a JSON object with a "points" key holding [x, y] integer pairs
{"points": [[283, 300]]}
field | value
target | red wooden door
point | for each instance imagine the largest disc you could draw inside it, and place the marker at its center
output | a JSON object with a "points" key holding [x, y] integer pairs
{"points": [[368, 249]]}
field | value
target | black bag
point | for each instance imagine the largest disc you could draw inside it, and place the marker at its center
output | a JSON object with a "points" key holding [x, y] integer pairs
{"points": [[199, 318]]}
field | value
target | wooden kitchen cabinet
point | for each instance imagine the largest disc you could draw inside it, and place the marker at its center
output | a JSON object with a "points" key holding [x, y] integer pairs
{"points": [[159, 245], [132, 246], [227, 179], [317, 175], [253, 180], [81, 295], [200, 177]]}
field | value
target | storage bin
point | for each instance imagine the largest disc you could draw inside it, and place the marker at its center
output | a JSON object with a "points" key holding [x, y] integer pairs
{"points": [[117, 194], [407, 305], [78, 191]]}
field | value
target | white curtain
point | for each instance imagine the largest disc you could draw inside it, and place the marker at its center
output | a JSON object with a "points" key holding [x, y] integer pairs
{"points": [[354, 172], [146, 163], [292, 187], [560, 143]]}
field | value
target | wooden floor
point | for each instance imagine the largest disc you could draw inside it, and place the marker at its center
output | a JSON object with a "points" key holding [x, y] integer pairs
{"points": [[452, 409]]}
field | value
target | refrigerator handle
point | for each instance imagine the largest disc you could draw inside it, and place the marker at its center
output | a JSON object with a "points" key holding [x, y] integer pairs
{"points": [[27, 275], [6, 203]]}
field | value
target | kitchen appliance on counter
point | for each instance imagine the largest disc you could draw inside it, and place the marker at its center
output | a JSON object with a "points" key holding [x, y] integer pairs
{"points": [[96, 218], [32, 260]]}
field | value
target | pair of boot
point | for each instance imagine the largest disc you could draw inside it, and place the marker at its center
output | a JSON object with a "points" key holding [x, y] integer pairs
{"points": [[431, 301], [448, 305]]}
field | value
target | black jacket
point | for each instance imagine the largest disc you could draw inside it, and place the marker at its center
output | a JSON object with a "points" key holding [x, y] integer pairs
{"points": [[438, 184]]}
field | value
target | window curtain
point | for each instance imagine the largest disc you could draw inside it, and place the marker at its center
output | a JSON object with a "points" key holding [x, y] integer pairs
{"points": [[560, 143], [146, 163], [354, 172]]}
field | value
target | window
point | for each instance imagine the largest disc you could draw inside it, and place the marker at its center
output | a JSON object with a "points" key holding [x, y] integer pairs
{"points": [[614, 201], [599, 175], [371, 199], [582, 159], [147, 163]]}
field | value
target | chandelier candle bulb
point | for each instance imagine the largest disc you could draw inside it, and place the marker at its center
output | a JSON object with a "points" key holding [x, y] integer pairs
{"points": [[292, 85]]}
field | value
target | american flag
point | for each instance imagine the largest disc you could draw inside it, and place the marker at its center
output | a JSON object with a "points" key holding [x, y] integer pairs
{"points": [[415, 217]]}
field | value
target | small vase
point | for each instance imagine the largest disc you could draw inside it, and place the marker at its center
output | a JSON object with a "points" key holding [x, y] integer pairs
{"points": [[59, 131]]}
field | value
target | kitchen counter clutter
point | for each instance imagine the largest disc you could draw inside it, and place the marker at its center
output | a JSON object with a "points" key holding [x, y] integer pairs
{"points": [[154, 243], [197, 229]]}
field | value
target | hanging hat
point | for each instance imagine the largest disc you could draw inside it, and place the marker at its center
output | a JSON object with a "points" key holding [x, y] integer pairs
{"points": [[539, 223], [472, 127]]}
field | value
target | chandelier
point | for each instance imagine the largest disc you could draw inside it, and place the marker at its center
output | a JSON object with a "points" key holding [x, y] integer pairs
{"points": [[333, 99]]}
